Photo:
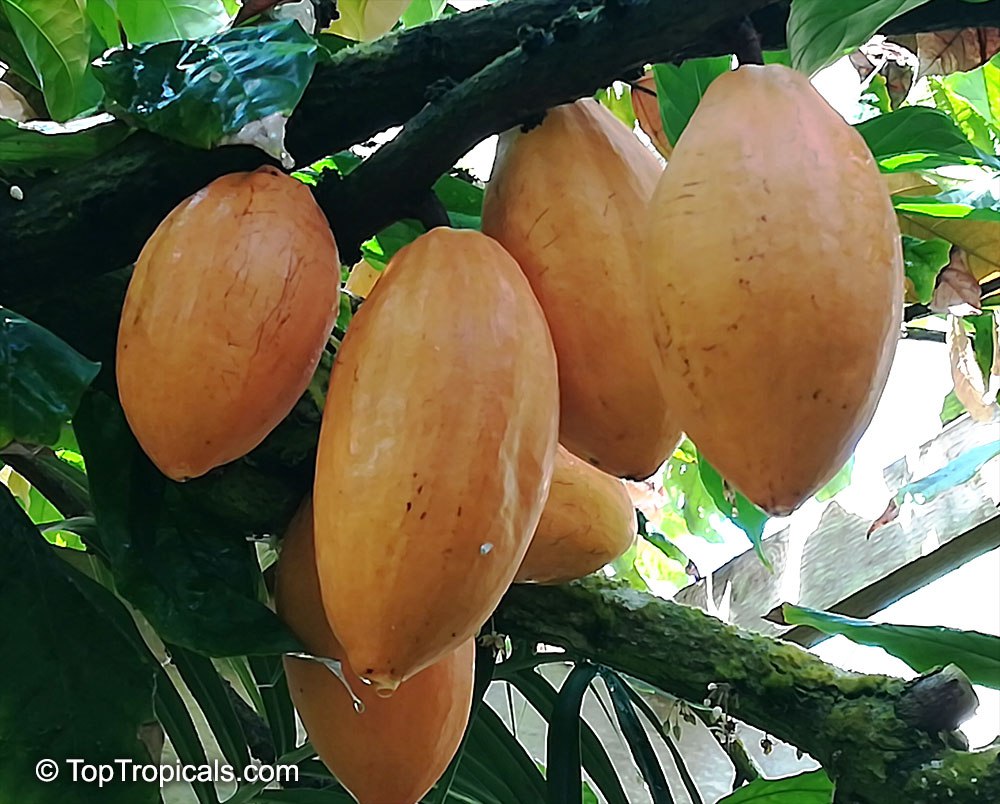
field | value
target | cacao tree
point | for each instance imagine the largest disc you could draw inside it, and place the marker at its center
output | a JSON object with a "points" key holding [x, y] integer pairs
{"points": [[138, 611]]}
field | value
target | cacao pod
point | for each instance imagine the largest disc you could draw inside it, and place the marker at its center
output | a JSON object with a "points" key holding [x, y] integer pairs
{"points": [[646, 106], [588, 521], [435, 453], [226, 315], [767, 232], [396, 749], [568, 201]]}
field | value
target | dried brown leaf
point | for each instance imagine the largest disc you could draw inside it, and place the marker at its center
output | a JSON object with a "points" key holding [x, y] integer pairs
{"points": [[889, 515], [980, 240], [957, 290], [956, 50], [970, 386]]}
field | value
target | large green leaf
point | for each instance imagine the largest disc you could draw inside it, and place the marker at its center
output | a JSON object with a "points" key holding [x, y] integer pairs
{"points": [[26, 148], [820, 31], [961, 204], [920, 138], [813, 787], [272, 687], [563, 747], [679, 88], [201, 92], [41, 381], [55, 37], [491, 741], [921, 647], [193, 578], [164, 20], [52, 708], [542, 697], [12, 53]]}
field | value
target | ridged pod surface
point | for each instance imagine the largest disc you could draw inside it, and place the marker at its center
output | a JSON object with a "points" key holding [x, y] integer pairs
{"points": [[568, 200], [226, 315], [396, 749], [435, 453], [588, 521], [779, 283]]}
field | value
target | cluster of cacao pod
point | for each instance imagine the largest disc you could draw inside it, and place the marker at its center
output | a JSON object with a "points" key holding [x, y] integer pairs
{"points": [[494, 386]]}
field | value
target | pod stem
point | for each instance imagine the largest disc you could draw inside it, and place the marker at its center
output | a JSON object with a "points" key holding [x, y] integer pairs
{"points": [[746, 42], [429, 210]]}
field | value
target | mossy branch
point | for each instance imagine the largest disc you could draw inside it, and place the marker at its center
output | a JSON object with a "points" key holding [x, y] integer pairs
{"points": [[860, 727], [94, 218]]}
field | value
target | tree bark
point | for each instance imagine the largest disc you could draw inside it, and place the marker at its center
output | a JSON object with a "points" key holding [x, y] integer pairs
{"points": [[867, 731]]}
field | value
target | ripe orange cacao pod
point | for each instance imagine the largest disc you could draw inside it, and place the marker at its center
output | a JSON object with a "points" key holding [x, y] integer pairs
{"points": [[779, 284], [435, 453], [646, 106], [588, 521], [568, 200], [226, 315], [396, 749]]}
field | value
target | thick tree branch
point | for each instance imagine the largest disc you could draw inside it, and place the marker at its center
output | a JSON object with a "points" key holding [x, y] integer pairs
{"points": [[861, 728], [94, 218]]}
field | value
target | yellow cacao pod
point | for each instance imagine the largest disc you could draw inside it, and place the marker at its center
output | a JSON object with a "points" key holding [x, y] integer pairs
{"points": [[435, 453], [588, 521], [568, 200], [396, 749], [226, 315], [779, 282]]}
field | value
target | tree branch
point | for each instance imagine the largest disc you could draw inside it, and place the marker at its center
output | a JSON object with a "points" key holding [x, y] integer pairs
{"points": [[94, 218], [861, 728]]}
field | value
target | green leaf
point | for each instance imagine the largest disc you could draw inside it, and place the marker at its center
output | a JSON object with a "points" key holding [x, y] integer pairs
{"points": [[102, 14], [680, 88], [981, 88], [51, 708], [12, 54], [819, 31], [193, 578], [563, 743], [491, 741], [838, 482], [55, 37], [982, 342], [381, 248], [951, 408], [735, 507], [421, 11], [920, 138], [41, 381], [973, 125], [922, 647], [923, 261], [618, 100], [29, 147], [272, 686], [542, 697], [958, 204], [201, 92], [164, 20], [689, 507], [462, 199], [637, 739], [813, 787], [211, 693]]}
